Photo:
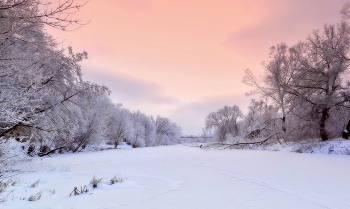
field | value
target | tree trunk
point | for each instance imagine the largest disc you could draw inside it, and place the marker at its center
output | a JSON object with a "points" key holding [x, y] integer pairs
{"points": [[324, 117], [115, 144], [284, 124], [346, 132], [235, 127]]}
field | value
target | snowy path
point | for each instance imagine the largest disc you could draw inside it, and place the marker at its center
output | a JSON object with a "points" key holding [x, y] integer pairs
{"points": [[186, 177]]}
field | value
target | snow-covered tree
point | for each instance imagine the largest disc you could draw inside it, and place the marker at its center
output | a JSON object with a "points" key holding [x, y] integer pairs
{"points": [[166, 131], [33, 70], [120, 125], [275, 83], [38, 80], [224, 121], [261, 120], [308, 81], [144, 132], [96, 109], [321, 79]]}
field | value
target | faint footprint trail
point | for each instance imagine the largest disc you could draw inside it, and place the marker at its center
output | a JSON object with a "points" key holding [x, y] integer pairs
{"points": [[317, 199], [320, 200], [176, 185]]}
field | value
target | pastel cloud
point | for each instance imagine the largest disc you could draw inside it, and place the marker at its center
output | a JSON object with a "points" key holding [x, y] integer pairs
{"points": [[131, 92], [291, 22]]}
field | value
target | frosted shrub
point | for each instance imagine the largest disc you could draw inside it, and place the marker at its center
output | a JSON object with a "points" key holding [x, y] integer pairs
{"points": [[116, 179], [95, 181], [35, 197], [35, 183], [3, 186], [76, 191]]}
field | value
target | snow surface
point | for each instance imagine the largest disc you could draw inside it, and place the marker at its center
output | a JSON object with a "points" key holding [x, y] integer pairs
{"points": [[188, 177]]}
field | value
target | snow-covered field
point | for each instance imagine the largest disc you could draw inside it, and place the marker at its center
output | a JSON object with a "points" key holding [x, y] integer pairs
{"points": [[188, 177]]}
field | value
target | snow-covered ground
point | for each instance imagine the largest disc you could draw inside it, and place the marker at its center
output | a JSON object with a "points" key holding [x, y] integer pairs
{"points": [[188, 177]]}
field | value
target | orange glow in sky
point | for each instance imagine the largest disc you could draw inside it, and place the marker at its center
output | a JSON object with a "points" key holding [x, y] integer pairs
{"points": [[184, 58]]}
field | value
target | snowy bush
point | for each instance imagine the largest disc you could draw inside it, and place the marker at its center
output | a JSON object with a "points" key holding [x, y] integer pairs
{"points": [[95, 181], [76, 191], [35, 197], [35, 184], [116, 179]]}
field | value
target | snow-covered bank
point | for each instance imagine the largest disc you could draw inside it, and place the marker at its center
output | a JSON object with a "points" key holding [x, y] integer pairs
{"points": [[335, 146], [188, 177]]}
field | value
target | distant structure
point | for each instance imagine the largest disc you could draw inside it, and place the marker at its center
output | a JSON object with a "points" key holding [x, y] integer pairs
{"points": [[192, 138]]}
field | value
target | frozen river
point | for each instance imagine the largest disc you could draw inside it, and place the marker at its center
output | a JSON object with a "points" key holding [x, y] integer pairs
{"points": [[188, 177]]}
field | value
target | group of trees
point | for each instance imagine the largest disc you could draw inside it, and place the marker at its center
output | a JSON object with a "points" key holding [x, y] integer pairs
{"points": [[140, 130], [45, 103], [229, 122], [224, 121], [306, 90]]}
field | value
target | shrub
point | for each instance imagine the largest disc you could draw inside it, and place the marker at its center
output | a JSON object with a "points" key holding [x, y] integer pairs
{"points": [[3, 186], [76, 191], [95, 181], [116, 179], [35, 197], [35, 183]]}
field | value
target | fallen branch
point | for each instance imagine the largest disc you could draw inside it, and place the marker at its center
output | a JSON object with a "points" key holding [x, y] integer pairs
{"points": [[43, 154], [246, 143]]}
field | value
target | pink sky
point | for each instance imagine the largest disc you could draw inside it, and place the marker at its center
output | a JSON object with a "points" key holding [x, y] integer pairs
{"points": [[185, 58]]}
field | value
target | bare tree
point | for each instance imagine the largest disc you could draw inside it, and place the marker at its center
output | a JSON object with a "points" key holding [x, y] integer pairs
{"points": [[261, 120], [279, 72], [345, 11], [33, 12], [121, 126], [310, 75], [321, 78]]}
